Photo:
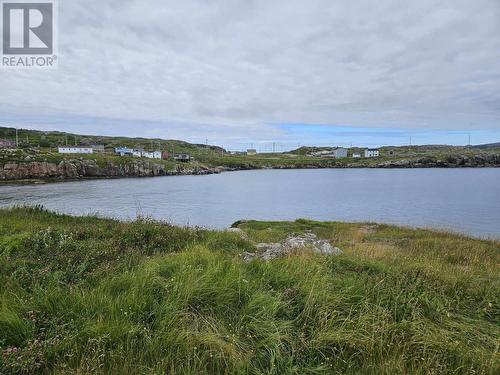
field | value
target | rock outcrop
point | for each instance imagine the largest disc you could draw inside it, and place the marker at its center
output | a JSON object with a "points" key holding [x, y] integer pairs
{"points": [[308, 240], [84, 168], [451, 161]]}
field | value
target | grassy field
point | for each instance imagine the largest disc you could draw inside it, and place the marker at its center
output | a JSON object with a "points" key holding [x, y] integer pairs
{"points": [[97, 296]]}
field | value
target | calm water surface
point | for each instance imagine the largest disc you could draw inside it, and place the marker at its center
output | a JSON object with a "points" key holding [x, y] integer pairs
{"points": [[463, 200]]}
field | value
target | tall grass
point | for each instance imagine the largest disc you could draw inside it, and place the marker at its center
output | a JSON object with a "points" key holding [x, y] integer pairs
{"points": [[96, 296]]}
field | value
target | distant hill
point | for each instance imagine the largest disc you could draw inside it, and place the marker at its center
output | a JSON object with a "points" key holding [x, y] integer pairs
{"points": [[487, 146], [304, 150], [52, 139]]}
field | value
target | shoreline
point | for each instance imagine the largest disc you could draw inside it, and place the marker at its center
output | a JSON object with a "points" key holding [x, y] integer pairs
{"points": [[407, 227], [437, 230], [219, 170]]}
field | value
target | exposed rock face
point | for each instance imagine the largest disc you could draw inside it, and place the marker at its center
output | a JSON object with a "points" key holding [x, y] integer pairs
{"points": [[308, 240], [451, 161], [79, 168], [15, 171]]}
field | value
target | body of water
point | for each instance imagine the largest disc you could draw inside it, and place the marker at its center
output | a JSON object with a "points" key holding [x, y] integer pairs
{"points": [[462, 200]]}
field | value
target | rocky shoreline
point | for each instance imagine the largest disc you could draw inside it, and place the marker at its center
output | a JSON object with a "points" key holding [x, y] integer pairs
{"points": [[85, 169], [451, 161]]}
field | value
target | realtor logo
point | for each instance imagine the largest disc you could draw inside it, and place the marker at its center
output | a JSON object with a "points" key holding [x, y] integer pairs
{"points": [[28, 34]]}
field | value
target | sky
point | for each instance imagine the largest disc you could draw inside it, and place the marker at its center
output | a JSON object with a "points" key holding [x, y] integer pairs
{"points": [[246, 73]]}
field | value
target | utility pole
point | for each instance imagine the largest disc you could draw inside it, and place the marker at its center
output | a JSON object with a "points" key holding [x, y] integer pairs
{"points": [[17, 139], [274, 147], [75, 140], [469, 143], [66, 139], [410, 140]]}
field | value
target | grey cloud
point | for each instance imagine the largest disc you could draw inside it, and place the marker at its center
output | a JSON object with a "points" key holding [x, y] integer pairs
{"points": [[241, 66]]}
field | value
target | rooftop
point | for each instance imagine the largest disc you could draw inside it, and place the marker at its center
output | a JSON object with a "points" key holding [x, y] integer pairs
{"points": [[70, 146]]}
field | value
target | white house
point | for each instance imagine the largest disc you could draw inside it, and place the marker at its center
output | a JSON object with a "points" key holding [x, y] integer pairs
{"points": [[75, 150], [356, 156], [372, 153], [138, 153], [151, 154]]}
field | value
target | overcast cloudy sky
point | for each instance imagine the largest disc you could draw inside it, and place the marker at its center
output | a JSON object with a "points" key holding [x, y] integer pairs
{"points": [[257, 71]]}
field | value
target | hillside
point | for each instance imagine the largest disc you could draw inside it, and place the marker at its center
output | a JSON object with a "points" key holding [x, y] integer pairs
{"points": [[52, 139], [409, 151], [89, 295], [488, 146], [37, 158]]}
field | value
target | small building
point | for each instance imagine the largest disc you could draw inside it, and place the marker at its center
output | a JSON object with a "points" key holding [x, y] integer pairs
{"points": [[182, 158], [339, 152], [372, 153], [251, 151], [151, 154], [356, 156], [75, 150], [123, 151], [137, 152], [165, 155], [97, 148]]}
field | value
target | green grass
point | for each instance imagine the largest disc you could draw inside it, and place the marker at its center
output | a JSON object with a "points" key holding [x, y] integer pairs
{"points": [[97, 296]]}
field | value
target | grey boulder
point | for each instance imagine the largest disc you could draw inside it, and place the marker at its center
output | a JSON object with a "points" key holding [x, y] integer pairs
{"points": [[308, 240]]}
